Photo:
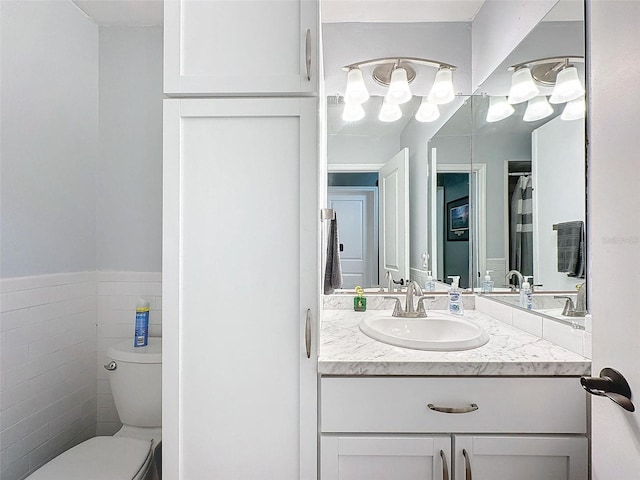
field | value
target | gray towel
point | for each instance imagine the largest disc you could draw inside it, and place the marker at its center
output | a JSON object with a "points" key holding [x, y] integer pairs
{"points": [[332, 271], [571, 248]]}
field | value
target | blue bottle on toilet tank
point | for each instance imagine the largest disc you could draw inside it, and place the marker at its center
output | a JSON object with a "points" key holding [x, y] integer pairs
{"points": [[141, 337]]}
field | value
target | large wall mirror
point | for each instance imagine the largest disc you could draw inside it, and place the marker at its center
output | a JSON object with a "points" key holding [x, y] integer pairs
{"points": [[451, 211]]}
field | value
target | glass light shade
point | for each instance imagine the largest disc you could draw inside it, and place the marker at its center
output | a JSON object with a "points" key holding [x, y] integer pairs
{"points": [[428, 112], [352, 112], [399, 91], [537, 109], [442, 89], [523, 87], [356, 91], [568, 86], [574, 110], [389, 112], [499, 109]]}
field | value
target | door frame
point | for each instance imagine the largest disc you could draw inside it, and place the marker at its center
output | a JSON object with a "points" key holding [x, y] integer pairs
{"points": [[478, 195], [371, 250]]}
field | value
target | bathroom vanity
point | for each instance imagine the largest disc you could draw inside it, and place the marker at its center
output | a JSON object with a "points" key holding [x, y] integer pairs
{"points": [[512, 408]]}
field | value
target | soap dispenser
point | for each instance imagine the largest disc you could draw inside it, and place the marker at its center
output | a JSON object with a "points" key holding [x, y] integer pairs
{"points": [[429, 285], [526, 297], [455, 297], [487, 285]]}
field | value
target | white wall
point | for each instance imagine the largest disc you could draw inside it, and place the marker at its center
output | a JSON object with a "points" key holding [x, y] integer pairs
{"points": [[358, 149], [49, 136], [129, 177]]}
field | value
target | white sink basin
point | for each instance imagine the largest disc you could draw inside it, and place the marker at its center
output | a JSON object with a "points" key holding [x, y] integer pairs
{"points": [[437, 331]]}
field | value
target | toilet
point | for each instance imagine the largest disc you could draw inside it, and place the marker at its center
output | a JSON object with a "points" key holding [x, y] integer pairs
{"points": [[135, 376]]}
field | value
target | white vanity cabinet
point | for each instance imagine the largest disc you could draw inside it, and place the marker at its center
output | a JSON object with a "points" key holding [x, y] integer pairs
{"points": [[501, 428], [248, 47], [240, 233]]}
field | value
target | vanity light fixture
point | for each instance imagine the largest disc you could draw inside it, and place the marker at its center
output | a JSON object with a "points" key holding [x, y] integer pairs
{"points": [[389, 112], [427, 112], [574, 110], [356, 91], [397, 73], [537, 109], [499, 109], [523, 87]]}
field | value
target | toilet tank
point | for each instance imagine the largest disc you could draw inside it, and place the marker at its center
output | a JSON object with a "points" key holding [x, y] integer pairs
{"points": [[135, 375]]}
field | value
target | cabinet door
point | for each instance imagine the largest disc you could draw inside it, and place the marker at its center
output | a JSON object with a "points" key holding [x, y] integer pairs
{"points": [[240, 266], [385, 458], [232, 47], [520, 457]]}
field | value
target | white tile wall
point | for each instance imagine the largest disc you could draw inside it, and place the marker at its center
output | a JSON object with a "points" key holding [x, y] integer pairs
{"points": [[578, 341], [48, 382], [118, 293]]}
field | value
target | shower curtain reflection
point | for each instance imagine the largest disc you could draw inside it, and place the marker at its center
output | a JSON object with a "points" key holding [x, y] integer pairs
{"points": [[521, 227]]}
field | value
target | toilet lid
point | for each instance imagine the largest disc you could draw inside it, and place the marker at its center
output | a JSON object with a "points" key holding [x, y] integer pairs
{"points": [[99, 458]]}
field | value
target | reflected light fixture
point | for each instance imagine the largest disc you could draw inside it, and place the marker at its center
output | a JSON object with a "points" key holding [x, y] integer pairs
{"points": [[499, 109], [523, 87], [568, 86], [574, 110], [356, 91], [396, 74], [352, 112], [428, 112], [537, 109], [389, 112]]}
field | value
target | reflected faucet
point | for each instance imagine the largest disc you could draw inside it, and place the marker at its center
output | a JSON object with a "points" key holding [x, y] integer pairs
{"points": [[518, 275], [409, 311], [581, 300], [579, 308]]}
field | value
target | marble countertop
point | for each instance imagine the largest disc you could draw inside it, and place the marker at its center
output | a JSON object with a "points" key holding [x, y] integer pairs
{"points": [[345, 350]]}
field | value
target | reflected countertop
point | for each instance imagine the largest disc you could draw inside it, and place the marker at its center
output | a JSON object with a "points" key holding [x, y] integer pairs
{"points": [[345, 350]]}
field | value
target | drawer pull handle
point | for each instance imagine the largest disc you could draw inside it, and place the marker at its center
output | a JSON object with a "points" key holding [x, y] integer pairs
{"points": [[471, 408], [445, 468], [467, 465]]}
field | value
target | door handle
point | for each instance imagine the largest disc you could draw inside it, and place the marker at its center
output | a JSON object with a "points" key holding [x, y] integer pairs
{"points": [[307, 333], [611, 384], [467, 465], [308, 54], [445, 468]]}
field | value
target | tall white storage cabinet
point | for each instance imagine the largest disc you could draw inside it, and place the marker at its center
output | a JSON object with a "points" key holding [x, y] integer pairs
{"points": [[233, 47], [240, 240]]}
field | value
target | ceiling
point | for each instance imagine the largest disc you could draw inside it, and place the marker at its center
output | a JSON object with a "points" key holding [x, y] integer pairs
{"points": [[123, 12], [335, 11]]}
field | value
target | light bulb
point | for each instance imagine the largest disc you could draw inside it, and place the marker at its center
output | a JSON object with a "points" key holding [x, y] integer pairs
{"points": [[428, 112], [499, 109], [356, 91], [574, 110], [568, 86], [537, 109], [442, 89], [352, 112], [522, 86], [399, 91], [389, 112]]}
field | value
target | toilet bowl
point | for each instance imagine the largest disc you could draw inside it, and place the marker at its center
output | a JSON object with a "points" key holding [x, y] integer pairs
{"points": [[135, 376]]}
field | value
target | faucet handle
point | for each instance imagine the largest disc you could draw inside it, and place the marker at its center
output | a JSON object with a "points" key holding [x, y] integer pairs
{"points": [[397, 309], [569, 307], [421, 308]]}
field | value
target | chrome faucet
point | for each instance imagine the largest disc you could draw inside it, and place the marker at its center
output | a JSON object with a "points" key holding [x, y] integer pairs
{"points": [[518, 276], [409, 311], [574, 310], [581, 300]]}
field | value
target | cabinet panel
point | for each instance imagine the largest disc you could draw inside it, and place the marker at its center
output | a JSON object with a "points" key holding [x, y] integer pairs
{"points": [[505, 405], [231, 47], [385, 458], [524, 458], [239, 205]]}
